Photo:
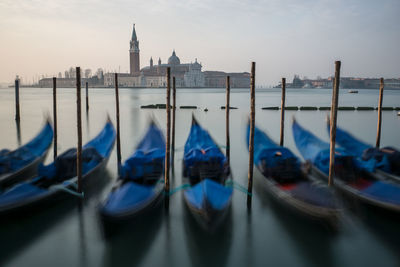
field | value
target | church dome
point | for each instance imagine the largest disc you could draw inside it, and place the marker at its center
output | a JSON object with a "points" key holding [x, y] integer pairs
{"points": [[174, 60]]}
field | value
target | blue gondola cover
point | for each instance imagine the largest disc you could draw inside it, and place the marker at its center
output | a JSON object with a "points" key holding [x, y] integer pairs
{"points": [[11, 161]]}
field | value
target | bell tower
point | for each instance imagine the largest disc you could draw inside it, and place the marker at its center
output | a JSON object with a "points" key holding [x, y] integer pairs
{"points": [[134, 57]]}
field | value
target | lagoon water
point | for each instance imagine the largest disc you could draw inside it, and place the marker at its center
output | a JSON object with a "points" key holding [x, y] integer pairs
{"points": [[269, 235]]}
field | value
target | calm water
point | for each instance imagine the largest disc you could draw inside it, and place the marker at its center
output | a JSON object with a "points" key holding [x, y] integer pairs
{"points": [[64, 235]]}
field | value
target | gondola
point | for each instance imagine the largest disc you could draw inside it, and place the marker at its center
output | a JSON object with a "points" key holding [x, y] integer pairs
{"points": [[140, 185], [206, 171], [285, 179], [385, 162], [22, 163], [350, 176], [59, 179]]}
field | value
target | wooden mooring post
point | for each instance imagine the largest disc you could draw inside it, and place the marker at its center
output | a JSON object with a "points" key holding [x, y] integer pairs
{"points": [[251, 137], [117, 117], [173, 124], [378, 133], [17, 116], [168, 138], [227, 109], [87, 96], [335, 100], [283, 111], [55, 117], [79, 128]]}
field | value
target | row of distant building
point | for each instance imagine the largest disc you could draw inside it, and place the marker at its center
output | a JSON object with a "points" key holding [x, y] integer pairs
{"points": [[345, 82], [189, 75]]}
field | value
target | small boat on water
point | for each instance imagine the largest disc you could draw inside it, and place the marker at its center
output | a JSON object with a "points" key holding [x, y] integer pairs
{"points": [[59, 178], [22, 163], [206, 171], [140, 186], [384, 162], [350, 177], [353, 92], [285, 180]]}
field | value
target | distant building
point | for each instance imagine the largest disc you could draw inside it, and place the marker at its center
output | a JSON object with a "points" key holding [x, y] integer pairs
{"points": [[186, 74], [345, 83]]}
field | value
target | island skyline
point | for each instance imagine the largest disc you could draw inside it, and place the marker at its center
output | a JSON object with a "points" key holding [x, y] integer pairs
{"points": [[283, 38]]}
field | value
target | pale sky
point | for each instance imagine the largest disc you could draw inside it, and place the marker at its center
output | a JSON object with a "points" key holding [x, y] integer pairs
{"points": [[283, 37]]}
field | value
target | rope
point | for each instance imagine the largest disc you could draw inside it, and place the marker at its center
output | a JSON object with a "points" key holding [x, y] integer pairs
{"points": [[234, 185], [176, 189], [67, 190]]}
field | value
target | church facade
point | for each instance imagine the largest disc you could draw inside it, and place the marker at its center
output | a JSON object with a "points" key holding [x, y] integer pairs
{"points": [[188, 75]]}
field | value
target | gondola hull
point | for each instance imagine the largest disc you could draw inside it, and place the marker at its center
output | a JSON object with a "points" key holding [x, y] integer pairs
{"points": [[354, 193], [41, 202], [23, 174], [329, 214], [130, 214]]}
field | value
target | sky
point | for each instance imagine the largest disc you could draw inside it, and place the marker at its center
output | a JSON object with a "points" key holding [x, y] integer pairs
{"points": [[283, 37]]}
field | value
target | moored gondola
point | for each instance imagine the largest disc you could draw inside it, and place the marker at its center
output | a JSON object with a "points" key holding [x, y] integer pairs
{"points": [[22, 163], [287, 182], [206, 170], [350, 176], [384, 162], [140, 186], [59, 178]]}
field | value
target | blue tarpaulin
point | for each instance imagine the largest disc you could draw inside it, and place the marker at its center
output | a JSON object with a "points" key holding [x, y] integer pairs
{"points": [[370, 158], [200, 147], [317, 151], [11, 161]]}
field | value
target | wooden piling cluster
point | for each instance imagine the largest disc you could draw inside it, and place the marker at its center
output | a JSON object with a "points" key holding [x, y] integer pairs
{"points": [[335, 100], [173, 124], [17, 115], [283, 111], [79, 129], [227, 108], [251, 137], [55, 117], [378, 134], [168, 138], [117, 118], [87, 96]]}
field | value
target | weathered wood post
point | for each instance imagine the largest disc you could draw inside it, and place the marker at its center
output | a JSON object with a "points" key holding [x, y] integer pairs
{"points": [[87, 96], [227, 109], [251, 137], [378, 134], [283, 111], [335, 100], [173, 123], [55, 116], [17, 116], [118, 129], [167, 145], [79, 128]]}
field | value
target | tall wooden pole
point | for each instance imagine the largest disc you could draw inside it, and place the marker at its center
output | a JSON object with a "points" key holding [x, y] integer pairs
{"points": [[252, 125], [87, 96], [335, 100], [173, 123], [79, 128], [167, 146], [283, 111], [17, 116], [55, 116], [118, 129], [227, 109], [378, 134]]}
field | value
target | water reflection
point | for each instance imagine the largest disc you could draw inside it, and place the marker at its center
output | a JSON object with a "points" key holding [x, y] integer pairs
{"points": [[19, 232], [128, 244], [313, 238], [18, 125], [206, 249]]}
